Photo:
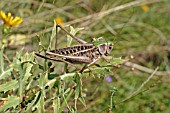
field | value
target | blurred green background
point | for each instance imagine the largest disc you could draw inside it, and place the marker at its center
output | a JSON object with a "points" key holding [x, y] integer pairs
{"points": [[138, 28]]}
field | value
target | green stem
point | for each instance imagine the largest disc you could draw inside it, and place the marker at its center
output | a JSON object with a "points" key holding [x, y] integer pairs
{"points": [[2, 59], [21, 81], [65, 102], [42, 85]]}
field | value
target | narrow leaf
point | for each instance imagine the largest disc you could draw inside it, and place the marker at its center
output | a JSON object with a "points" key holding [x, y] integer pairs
{"points": [[82, 101], [78, 90], [34, 101], [52, 36], [28, 67], [2, 60], [6, 73], [11, 101], [13, 84], [96, 43], [28, 57], [67, 76], [73, 32], [116, 61], [56, 104]]}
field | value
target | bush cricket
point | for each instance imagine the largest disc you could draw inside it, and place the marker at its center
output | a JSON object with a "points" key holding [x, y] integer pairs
{"points": [[85, 52]]}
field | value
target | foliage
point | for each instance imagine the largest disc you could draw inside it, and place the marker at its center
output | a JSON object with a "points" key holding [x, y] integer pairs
{"points": [[139, 31]]}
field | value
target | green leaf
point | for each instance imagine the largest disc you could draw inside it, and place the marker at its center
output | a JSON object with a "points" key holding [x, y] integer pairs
{"points": [[52, 36], [78, 90], [11, 101], [2, 60], [67, 90], [96, 43], [73, 32], [34, 101], [56, 104], [67, 76], [113, 91], [6, 73], [27, 71], [13, 84], [20, 53], [43, 79], [82, 101], [40, 45], [69, 39], [116, 61], [28, 57], [52, 76], [17, 60], [100, 71], [40, 105]]}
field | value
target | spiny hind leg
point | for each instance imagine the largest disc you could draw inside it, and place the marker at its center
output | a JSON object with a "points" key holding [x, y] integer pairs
{"points": [[86, 66], [56, 40], [95, 60], [75, 38]]}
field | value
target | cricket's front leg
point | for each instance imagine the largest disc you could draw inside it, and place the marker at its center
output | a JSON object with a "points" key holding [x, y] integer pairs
{"points": [[75, 38], [86, 66], [95, 60]]}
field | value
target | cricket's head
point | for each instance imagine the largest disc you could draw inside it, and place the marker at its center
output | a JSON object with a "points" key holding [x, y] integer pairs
{"points": [[105, 48]]}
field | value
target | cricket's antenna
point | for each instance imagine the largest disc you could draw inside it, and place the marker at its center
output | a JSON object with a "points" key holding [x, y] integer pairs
{"points": [[125, 25], [56, 41]]}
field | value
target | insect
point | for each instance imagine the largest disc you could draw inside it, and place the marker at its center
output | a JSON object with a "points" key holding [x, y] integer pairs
{"points": [[85, 52]]}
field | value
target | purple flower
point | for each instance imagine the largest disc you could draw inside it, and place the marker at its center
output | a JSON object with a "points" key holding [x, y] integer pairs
{"points": [[108, 79]]}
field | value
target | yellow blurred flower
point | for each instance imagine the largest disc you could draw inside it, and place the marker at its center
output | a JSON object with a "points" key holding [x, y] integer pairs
{"points": [[145, 8], [9, 20], [58, 20]]}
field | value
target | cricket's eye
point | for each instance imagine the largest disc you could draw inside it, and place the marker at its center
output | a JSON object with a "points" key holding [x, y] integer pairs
{"points": [[110, 46]]}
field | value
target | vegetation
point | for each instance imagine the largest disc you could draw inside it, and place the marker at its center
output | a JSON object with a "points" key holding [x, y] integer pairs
{"points": [[136, 78]]}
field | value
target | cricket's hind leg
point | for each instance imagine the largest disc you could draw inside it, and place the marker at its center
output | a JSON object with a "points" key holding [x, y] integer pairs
{"points": [[75, 38]]}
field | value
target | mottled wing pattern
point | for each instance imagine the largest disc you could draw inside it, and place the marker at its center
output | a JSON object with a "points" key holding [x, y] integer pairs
{"points": [[71, 50], [82, 53]]}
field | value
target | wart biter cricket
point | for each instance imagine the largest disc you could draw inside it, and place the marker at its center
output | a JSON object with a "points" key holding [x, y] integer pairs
{"points": [[85, 52]]}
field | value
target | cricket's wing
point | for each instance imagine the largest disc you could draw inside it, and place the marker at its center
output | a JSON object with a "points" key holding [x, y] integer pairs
{"points": [[74, 59], [67, 51]]}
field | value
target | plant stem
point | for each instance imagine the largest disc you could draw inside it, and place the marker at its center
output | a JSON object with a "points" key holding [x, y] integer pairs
{"points": [[64, 102]]}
